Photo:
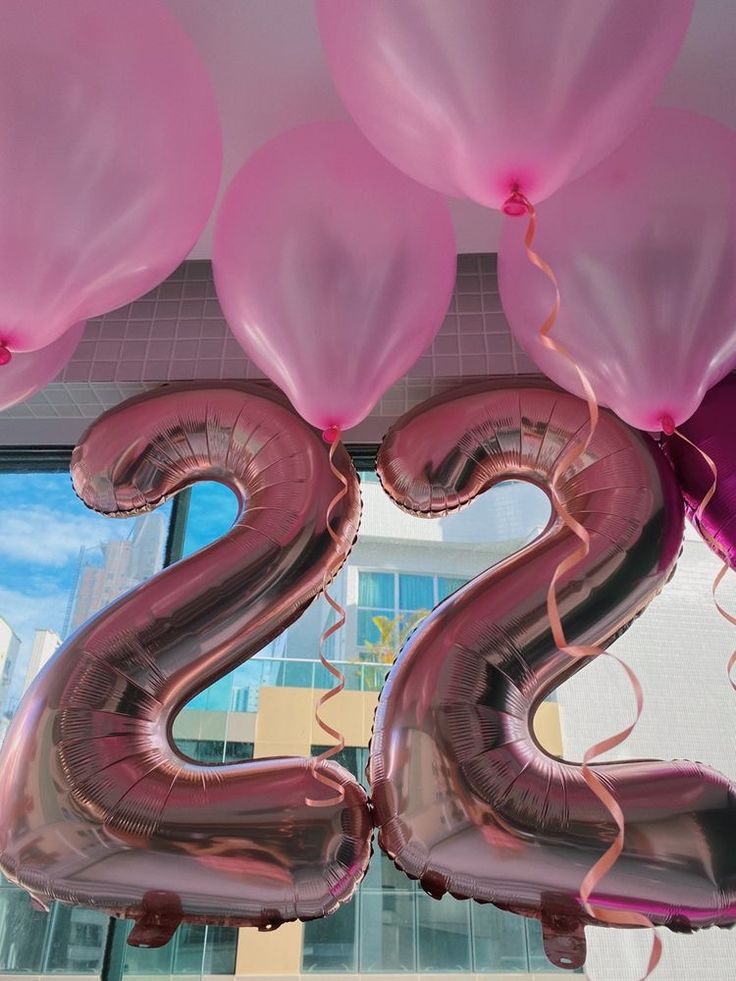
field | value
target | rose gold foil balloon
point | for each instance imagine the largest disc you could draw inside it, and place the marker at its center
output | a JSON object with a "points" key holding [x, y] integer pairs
{"points": [[466, 799], [98, 806]]}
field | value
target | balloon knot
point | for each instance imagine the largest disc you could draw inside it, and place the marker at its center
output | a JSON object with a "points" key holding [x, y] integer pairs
{"points": [[5, 355], [516, 204], [668, 425], [331, 434]]}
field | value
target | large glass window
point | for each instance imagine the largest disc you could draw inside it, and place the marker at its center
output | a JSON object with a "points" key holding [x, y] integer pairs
{"points": [[60, 563], [391, 604]]}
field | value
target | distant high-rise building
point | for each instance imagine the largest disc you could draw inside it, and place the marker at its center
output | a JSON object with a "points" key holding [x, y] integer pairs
{"points": [[9, 649], [45, 643], [125, 563]]}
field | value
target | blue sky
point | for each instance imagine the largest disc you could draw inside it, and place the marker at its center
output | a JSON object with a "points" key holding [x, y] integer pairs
{"points": [[212, 510], [44, 525]]}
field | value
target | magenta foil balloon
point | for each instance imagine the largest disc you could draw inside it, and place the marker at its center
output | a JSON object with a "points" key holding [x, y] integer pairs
{"points": [[334, 270], [478, 97], [98, 806], [712, 428], [644, 250], [465, 798], [25, 374], [109, 159]]}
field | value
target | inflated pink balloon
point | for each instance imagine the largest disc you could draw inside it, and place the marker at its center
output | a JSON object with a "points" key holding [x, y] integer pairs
{"points": [[109, 159], [25, 374], [334, 270], [477, 98], [644, 249]]}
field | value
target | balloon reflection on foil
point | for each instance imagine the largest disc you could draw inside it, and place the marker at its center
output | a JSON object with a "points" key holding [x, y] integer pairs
{"points": [[465, 798], [98, 806]]}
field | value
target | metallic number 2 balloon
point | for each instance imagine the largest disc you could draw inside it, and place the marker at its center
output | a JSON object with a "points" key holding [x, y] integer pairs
{"points": [[465, 798], [98, 806]]}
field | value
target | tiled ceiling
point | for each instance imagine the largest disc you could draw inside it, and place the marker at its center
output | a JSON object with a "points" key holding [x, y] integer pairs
{"points": [[177, 332]]}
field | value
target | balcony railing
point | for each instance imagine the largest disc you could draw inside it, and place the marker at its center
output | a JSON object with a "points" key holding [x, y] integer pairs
{"points": [[239, 692]]}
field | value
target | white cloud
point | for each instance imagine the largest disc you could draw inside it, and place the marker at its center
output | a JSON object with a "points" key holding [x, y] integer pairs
{"points": [[48, 537]]}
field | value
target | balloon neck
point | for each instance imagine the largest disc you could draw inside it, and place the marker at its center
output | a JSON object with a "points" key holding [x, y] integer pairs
{"points": [[5, 355], [668, 425], [517, 203], [331, 434]]}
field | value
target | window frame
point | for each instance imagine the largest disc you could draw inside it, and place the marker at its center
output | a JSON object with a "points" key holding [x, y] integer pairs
{"points": [[396, 610]]}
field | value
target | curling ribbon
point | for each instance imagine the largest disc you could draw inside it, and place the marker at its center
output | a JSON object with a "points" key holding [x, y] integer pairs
{"points": [[331, 436], [516, 205]]}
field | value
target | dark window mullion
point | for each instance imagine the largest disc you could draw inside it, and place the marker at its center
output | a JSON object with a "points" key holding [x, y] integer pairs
{"points": [[177, 527]]}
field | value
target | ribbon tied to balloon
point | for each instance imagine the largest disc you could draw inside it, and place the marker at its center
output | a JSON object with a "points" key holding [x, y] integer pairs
{"points": [[643, 248]]}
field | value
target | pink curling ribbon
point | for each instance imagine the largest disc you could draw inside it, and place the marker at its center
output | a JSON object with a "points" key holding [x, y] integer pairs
{"points": [[517, 205], [331, 436]]}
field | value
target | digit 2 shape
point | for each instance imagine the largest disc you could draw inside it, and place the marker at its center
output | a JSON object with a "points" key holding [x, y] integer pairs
{"points": [[98, 806], [465, 798]]}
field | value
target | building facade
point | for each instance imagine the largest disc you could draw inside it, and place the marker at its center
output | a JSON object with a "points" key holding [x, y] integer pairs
{"points": [[111, 568], [45, 642], [9, 651]]}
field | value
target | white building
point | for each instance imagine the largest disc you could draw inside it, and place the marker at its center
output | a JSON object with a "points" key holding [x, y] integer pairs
{"points": [[9, 649], [45, 643]]}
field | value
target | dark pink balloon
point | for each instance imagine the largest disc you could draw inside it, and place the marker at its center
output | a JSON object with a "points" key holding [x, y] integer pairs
{"points": [[25, 374], [465, 798], [711, 428], [98, 806]]}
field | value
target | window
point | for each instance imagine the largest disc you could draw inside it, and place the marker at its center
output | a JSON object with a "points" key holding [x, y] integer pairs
{"points": [[59, 564], [392, 927], [391, 604]]}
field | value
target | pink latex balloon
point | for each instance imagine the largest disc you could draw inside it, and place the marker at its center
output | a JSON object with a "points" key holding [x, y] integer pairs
{"points": [[644, 248], [475, 97], [109, 159], [25, 374], [334, 270], [711, 429]]}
